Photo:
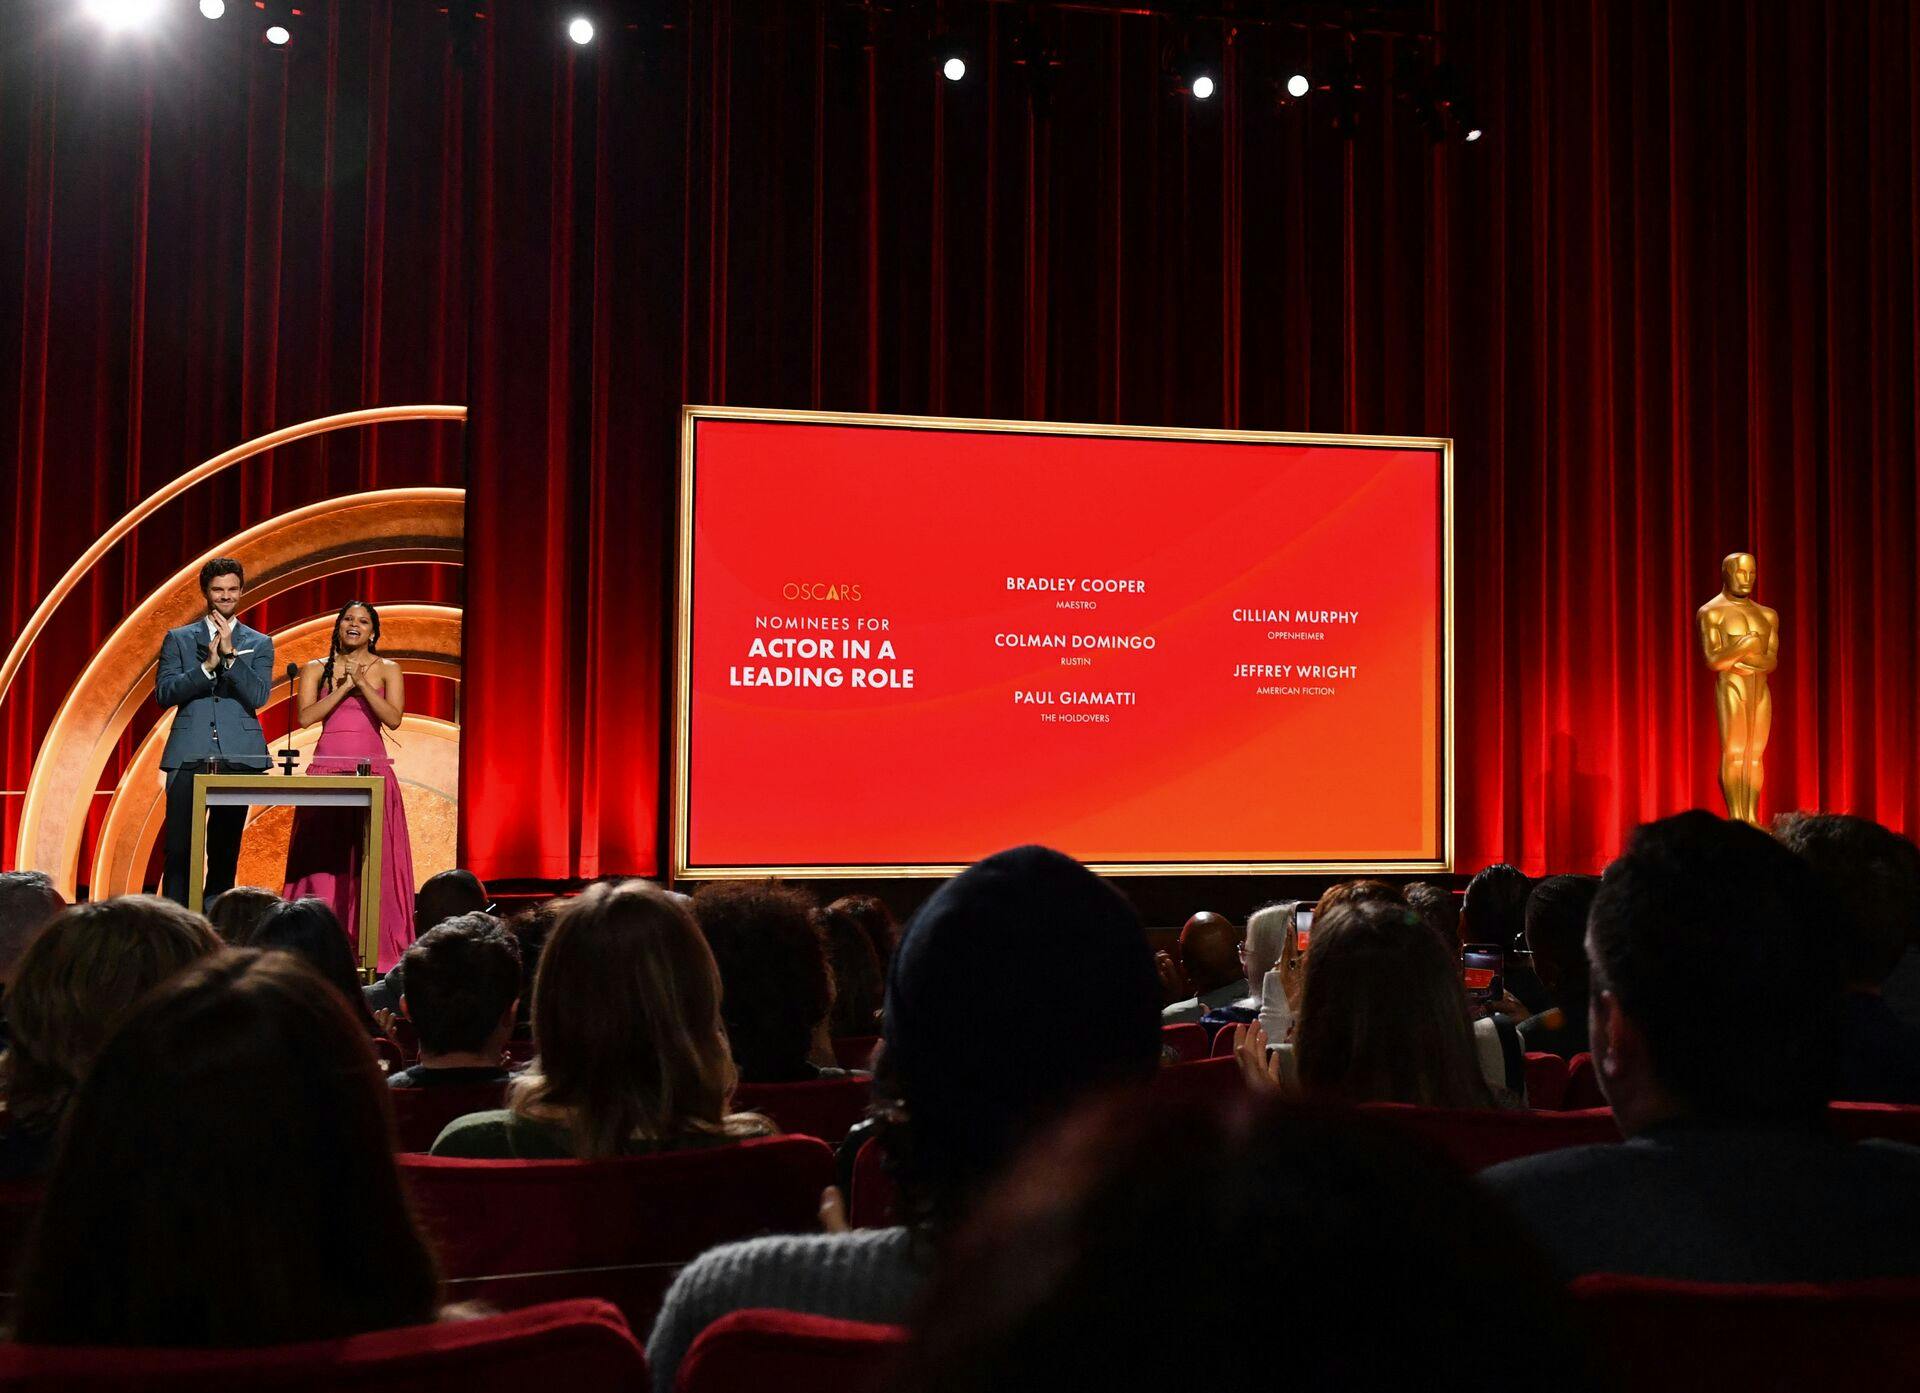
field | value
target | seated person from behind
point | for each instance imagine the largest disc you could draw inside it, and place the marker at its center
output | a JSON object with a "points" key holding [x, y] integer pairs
{"points": [[1383, 1018], [463, 988], [28, 902], [777, 989], [227, 1178], [1713, 1032], [72, 987], [1872, 882], [444, 896], [1557, 938], [631, 1056], [1210, 955], [957, 1107]]}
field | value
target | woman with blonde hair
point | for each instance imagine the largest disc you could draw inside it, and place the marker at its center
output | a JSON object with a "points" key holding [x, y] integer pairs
{"points": [[630, 1054], [74, 984]]}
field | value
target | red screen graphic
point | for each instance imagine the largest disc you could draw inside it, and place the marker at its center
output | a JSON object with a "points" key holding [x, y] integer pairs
{"points": [[913, 646]]}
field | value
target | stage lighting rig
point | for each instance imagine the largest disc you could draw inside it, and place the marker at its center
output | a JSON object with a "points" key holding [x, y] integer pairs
{"points": [[213, 9], [580, 30]]}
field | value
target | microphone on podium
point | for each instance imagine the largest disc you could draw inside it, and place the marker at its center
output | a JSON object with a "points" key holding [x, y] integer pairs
{"points": [[289, 756]]}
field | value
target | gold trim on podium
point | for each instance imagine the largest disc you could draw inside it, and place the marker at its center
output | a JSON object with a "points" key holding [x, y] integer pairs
{"points": [[288, 789], [683, 639]]}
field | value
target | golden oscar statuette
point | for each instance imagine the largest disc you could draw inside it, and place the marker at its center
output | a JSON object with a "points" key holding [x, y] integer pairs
{"points": [[1741, 639]]}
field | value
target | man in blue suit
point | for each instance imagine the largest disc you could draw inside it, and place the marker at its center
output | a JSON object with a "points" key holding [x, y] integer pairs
{"points": [[217, 673]]}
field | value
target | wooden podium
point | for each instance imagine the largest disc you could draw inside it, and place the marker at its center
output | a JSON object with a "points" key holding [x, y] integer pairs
{"points": [[367, 792]]}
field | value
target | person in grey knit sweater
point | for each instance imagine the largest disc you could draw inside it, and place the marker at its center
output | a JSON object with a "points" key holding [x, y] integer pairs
{"points": [[959, 1103]]}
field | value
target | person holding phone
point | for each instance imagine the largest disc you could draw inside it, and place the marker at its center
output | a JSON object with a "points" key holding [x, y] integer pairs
{"points": [[215, 674], [358, 696]]}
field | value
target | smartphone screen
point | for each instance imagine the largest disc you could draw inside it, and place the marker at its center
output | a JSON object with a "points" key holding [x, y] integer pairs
{"points": [[1303, 925], [1483, 969]]}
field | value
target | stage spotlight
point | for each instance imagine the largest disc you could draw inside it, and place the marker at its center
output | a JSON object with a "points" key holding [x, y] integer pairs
{"points": [[1298, 86], [580, 30], [278, 34], [213, 9], [1202, 87], [120, 14], [954, 69]]}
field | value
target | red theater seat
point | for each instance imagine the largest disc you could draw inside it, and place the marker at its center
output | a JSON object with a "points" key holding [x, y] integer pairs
{"points": [[419, 1114], [1681, 1337], [388, 1054], [1890, 1121], [1187, 1041], [1546, 1081], [1583, 1085], [1223, 1042], [790, 1352], [826, 1109], [1478, 1139], [854, 1051], [1205, 1080], [512, 1233], [570, 1344], [407, 1038]]}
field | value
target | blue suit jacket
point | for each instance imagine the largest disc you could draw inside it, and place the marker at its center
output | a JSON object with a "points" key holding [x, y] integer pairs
{"points": [[231, 698]]}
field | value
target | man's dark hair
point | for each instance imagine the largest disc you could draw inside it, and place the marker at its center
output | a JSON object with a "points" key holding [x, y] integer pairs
{"points": [[1557, 934], [1494, 909], [28, 902], [444, 895], [221, 566], [1440, 907], [859, 984], [775, 984], [1701, 931], [530, 928], [1872, 878], [461, 978]]}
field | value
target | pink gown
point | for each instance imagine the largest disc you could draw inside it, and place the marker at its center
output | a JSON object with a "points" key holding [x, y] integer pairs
{"points": [[323, 849]]}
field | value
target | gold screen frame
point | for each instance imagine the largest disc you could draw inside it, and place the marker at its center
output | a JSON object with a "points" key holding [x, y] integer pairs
{"points": [[683, 642]]}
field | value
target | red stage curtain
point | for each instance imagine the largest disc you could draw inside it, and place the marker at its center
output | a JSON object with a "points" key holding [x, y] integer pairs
{"points": [[1667, 308], [203, 239]]}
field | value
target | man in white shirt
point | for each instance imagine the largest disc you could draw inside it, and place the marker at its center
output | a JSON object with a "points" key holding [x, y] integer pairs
{"points": [[216, 673]]}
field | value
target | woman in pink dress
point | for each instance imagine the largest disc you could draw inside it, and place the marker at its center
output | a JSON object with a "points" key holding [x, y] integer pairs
{"points": [[358, 696]]}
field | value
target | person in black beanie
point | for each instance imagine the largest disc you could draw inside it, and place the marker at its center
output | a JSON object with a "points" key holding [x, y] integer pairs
{"points": [[958, 1101]]}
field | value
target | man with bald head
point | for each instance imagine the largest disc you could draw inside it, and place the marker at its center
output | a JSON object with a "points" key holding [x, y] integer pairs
{"points": [[1210, 953]]}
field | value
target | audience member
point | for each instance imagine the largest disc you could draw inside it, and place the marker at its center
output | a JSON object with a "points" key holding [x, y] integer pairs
{"points": [[1383, 1019], [631, 1052], [1354, 892], [28, 902], [1557, 938], [1872, 882], [531, 928], [858, 987], [463, 984], [1338, 1253], [1268, 930], [236, 913], [875, 921], [1714, 1030], [308, 929], [70, 989], [1440, 907], [1494, 911], [1210, 956], [227, 1178], [777, 988], [960, 1106], [443, 896]]}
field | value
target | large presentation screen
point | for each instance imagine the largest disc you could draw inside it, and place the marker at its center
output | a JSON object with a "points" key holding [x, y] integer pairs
{"points": [[907, 643]]}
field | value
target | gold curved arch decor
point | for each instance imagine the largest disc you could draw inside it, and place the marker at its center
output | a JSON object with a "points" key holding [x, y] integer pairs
{"points": [[423, 639], [320, 425], [307, 544]]}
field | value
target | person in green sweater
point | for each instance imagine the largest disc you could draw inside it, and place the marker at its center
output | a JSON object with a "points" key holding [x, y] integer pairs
{"points": [[630, 1053]]}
